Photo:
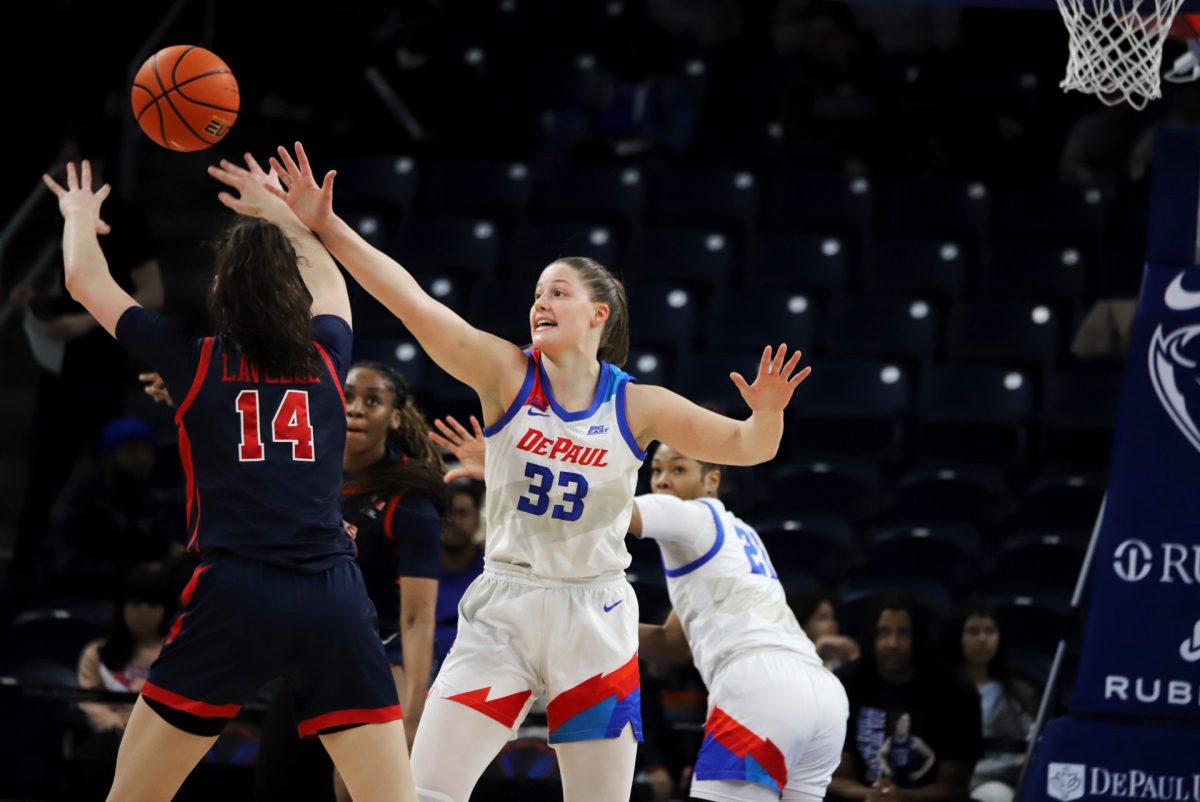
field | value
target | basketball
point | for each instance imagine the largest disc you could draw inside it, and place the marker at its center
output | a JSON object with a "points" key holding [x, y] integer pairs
{"points": [[185, 98]]}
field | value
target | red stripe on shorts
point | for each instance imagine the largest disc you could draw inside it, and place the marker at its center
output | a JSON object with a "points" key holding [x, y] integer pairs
{"points": [[343, 718], [196, 708]]}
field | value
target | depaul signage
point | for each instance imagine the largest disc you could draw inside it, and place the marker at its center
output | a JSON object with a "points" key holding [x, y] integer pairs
{"points": [[1140, 654], [1092, 760]]}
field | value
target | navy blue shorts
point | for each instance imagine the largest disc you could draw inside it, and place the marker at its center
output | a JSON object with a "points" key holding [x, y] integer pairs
{"points": [[242, 623]]}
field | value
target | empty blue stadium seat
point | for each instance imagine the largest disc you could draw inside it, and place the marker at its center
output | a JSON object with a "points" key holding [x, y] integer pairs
{"points": [[901, 328], [851, 406], [938, 207], [691, 256], [756, 317], [611, 194], [1058, 212], [459, 246], [1042, 561], [703, 377], [1078, 415], [813, 262], [1011, 333], [937, 268], [705, 196], [380, 183], [536, 245], [497, 189], [975, 413], [1027, 270], [939, 552], [839, 486], [820, 201], [968, 493], [662, 315], [402, 353]]}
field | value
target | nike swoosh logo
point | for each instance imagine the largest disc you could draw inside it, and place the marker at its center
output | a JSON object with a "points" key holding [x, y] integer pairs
{"points": [[1178, 298], [608, 607], [539, 414]]}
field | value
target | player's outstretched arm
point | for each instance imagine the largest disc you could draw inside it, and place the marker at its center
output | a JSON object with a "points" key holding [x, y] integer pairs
{"points": [[87, 277], [666, 643], [260, 194], [656, 413], [487, 363]]}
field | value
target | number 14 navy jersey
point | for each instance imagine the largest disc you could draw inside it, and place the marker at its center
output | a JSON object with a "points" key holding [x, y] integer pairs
{"points": [[261, 453]]}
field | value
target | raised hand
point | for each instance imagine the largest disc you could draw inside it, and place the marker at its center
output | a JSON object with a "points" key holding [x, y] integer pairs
{"points": [[259, 193], [775, 383], [311, 203], [469, 449], [78, 198]]}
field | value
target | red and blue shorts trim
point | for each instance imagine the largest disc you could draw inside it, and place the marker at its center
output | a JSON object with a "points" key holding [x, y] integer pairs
{"points": [[599, 707], [732, 752]]}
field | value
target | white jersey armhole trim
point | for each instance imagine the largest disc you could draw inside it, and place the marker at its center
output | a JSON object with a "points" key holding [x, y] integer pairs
{"points": [[517, 402]]}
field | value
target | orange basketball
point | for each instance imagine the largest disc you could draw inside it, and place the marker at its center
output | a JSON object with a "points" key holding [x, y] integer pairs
{"points": [[185, 98]]}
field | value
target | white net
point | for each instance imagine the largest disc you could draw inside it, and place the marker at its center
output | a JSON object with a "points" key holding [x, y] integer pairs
{"points": [[1116, 47]]}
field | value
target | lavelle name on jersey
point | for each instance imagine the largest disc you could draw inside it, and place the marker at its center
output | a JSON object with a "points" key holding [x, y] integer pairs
{"points": [[249, 373], [562, 448]]}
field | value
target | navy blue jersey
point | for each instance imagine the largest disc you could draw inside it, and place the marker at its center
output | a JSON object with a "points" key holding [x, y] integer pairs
{"points": [[396, 537], [262, 454]]}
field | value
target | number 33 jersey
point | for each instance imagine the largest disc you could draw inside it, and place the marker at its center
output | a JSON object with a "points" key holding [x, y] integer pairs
{"points": [[721, 582], [560, 484], [261, 453]]}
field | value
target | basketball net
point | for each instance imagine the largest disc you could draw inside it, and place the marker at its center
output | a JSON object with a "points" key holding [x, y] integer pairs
{"points": [[1116, 48]]}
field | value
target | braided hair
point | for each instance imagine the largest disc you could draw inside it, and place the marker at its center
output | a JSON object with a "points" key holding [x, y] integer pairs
{"points": [[422, 468]]}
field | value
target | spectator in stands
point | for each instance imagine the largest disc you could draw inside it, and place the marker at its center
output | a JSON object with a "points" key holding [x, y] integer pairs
{"points": [[112, 519], [77, 360], [120, 662], [913, 724], [814, 611], [1007, 705]]}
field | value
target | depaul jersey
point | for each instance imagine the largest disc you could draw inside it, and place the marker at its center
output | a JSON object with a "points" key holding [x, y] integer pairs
{"points": [[721, 582], [560, 484], [261, 453]]}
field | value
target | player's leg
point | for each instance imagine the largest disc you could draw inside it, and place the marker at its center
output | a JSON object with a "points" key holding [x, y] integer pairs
{"points": [[209, 664], [340, 792], [454, 744], [595, 709], [155, 757], [372, 760], [597, 771], [483, 689]]}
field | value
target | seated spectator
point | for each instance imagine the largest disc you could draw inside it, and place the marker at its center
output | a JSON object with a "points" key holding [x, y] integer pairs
{"points": [[462, 560], [913, 724], [120, 662], [113, 519], [1007, 705], [814, 611]]}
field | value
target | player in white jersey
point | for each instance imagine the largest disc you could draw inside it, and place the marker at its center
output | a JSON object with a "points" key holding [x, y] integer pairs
{"points": [[776, 717], [552, 611]]}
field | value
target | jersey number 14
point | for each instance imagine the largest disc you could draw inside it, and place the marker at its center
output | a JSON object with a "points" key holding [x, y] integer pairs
{"points": [[290, 425]]}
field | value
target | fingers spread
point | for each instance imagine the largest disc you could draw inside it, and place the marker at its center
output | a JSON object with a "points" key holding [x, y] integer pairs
{"points": [[799, 377], [280, 171], [53, 186], [72, 180], [286, 159], [739, 382]]}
